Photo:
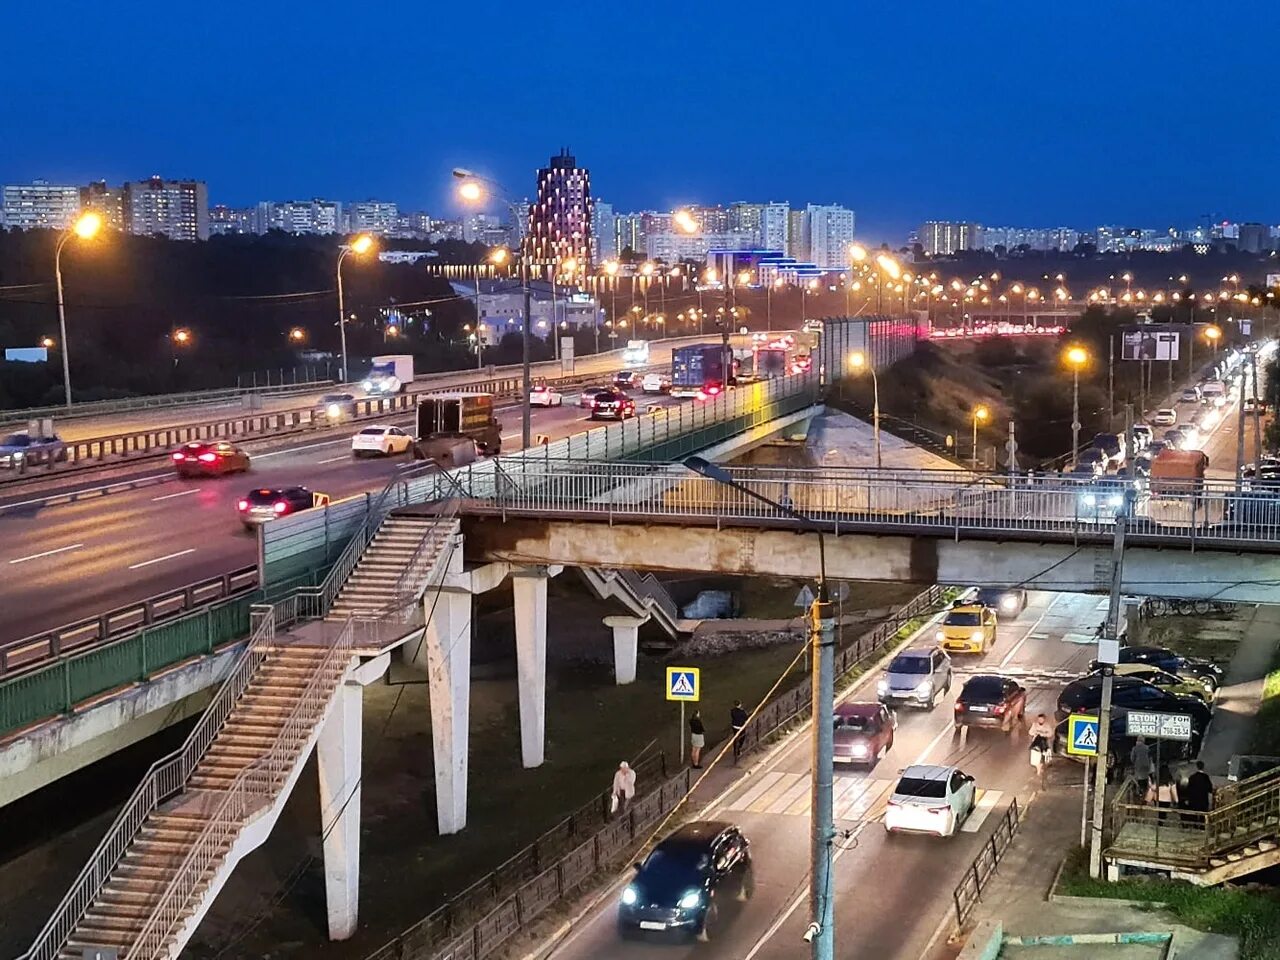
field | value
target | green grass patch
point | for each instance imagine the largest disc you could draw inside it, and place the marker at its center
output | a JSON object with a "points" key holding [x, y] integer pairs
{"points": [[1266, 727], [1253, 916]]}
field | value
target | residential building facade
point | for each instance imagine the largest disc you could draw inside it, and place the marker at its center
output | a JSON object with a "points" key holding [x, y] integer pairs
{"points": [[944, 238], [560, 215], [314, 216], [177, 209], [377, 217], [40, 205], [831, 229]]}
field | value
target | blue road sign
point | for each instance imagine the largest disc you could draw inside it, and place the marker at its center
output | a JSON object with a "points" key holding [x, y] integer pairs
{"points": [[1082, 735], [684, 683]]}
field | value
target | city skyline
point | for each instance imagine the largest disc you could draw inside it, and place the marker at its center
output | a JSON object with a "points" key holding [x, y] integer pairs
{"points": [[907, 144]]}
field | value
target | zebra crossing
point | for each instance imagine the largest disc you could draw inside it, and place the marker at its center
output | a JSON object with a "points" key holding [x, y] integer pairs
{"points": [[853, 798]]}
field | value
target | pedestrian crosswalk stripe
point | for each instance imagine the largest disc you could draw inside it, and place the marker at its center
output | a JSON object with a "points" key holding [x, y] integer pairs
{"points": [[754, 790], [798, 788], [870, 804], [986, 802]]}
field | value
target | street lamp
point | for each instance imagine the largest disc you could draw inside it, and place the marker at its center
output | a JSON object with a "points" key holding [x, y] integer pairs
{"points": [[1213, 334], [359, 246], [86, 227], [980, 415], [1076, 357], [297, 335], [857, 363], [822, 920], [47, 342]]}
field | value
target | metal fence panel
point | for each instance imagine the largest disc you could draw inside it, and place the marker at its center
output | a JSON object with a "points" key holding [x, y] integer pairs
{"points": [[539, 893], [577, 865]]}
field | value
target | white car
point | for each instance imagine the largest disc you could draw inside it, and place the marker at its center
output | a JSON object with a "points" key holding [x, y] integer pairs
{"points": [[381, 438], [930, 799], [655, 383], [544, 396], [1165, 417]]}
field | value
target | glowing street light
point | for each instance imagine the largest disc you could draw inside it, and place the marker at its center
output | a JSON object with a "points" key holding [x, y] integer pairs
{"points": [[47, 342], [297, 335], [359, 246], [86, 227], [980, 415], [1213, 335], [1076, 358], [857, 253], [858, 363], [684, 220], [182, 337]]}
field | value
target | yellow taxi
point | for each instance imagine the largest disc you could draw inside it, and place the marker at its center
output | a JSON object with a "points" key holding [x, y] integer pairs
{"points": [[968, 627]]}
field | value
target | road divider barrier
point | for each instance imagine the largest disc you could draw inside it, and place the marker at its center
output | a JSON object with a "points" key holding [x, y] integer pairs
{"points": [[979, 873]]}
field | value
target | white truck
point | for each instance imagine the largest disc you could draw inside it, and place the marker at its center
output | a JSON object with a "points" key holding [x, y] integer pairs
{"points": [[389, 374]]}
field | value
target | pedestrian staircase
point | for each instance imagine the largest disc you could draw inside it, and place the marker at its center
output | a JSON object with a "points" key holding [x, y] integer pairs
{"points": [[201, 809], [1239, 836], [644, 595]]}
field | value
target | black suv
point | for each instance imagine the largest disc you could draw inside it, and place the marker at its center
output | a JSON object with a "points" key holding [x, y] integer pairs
{"points": [[1208, 673], [677, 885], [1130, 693]]}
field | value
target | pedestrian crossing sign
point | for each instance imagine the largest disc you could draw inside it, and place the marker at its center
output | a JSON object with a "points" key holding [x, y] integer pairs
{"points": [[684, 683], [1082, 735]]}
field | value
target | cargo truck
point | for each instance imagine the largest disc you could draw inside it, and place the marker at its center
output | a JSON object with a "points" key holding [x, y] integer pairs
{"points": [[699, 370], [389, 374], [446, 418]]}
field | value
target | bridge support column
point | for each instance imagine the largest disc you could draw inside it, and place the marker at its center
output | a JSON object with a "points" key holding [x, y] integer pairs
{"points": [[530, 588], [447, 642], [626, 646], [338, 759]]}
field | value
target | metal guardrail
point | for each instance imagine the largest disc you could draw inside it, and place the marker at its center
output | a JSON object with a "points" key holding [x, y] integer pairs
{"points": [[42, 648], [969, 891], [476, 922], [858, 499]]}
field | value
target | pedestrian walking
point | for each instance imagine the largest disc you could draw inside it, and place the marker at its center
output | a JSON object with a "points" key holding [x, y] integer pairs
{"points": [[1163, 792], [697, 739], [624, 787], [1140, 763], [1198, 794], [737, 720], [1041, 731]]}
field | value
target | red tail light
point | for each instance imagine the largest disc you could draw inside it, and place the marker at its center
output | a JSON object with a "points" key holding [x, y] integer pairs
{"points": [[242, 505], [280, 506], [712, 391], [999, 709], [179, 456], [207, 457], [960, 708]]}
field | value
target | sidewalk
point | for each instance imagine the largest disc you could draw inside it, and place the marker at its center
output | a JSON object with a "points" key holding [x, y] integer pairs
{"points": [[1017, 896]]}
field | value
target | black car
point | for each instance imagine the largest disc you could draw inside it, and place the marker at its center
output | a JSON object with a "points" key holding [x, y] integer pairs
{"points": [[1006, 602], [1130, 693], [677, 886], [1120, 745], [1164, 658], [626, 379], [270, 503], [988, 700]]}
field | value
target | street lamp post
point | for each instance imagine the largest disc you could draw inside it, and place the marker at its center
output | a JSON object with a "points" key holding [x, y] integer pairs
{"points": [[359, 246], [1077, 357], [980, 415], [858, 361], [86, 227], [822, 921]]}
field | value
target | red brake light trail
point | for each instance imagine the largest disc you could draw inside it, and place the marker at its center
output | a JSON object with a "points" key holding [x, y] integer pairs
{"points": [[208, 457], [242, 505], [280, 506], [179, 456]]}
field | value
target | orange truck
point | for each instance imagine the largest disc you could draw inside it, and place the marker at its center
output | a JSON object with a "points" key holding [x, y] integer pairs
{"points": [[1176, 472]]}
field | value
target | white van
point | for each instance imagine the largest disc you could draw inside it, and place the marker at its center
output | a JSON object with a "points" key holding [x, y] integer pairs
{"points": [[1214, 392]]}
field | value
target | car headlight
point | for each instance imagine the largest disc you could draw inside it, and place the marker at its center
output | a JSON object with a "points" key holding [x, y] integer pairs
{"points": [[333, 410], [858, 749], [976, 636], [925, 687], [940, 635], [690, 900], [1008, 604], [1116, 500], [629, 896], [882, 686], [367, 384], [1090, 500]]}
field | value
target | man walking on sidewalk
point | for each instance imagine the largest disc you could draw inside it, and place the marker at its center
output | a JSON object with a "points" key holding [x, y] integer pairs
{"points": [[624, 787], [737, 720], [1198, 794], [697, 739], [1140, 761]]}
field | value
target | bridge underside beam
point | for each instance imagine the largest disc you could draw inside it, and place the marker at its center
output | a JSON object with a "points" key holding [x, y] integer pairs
{"points": [[750, 551]]}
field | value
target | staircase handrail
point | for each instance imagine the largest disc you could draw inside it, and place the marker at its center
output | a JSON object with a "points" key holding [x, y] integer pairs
{"points": [[406, 588], [165, 778], [258, 781]]}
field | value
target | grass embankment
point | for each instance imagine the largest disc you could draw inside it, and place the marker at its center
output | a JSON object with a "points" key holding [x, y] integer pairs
{"points": [[1266, 728], [1253, 916]]}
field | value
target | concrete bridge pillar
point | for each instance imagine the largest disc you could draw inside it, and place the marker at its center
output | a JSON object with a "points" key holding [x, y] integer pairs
{"points": [[530, 588], [447, 644], [338, 759], [626, 646]]}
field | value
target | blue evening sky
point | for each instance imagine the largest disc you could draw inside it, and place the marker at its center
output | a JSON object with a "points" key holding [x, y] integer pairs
{"points": [[1036, 112]]}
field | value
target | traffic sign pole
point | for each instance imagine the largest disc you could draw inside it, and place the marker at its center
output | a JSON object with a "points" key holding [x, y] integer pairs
{"points": [[680, 735], [1084, 805], [1108, 653]]}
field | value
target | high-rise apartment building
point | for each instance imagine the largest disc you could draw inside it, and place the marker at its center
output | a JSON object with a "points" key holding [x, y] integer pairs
{"points": [[314, 216], [943, 238], [630, 231], [830, 234], [107, 202], [774, 220], [177, 209], [377, 217], [560, 215], [604, 232], [40, 205], [747, 219], [224, 220], [797, 235]]}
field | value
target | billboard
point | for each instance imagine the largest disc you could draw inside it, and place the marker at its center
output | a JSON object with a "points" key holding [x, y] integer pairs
{"points": [[1146, 343]]}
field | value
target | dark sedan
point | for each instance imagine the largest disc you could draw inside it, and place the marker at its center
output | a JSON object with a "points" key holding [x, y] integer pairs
{"points": [[200, 459], [1130, 693], [989, 700], [1166, 659], [1006, 602], [677, 887]]}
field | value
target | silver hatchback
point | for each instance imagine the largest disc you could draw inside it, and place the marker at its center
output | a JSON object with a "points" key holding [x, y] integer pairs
{"points": [[919, 677]]}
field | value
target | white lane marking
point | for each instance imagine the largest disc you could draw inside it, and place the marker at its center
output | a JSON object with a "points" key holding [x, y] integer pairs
{"points": [[170, 496], [332, 460], [48, 553], [981, 810], [944, 732], [754, 790], [147, 563], [1013, 652], [803, 897], [309, 446], [76, 493]]}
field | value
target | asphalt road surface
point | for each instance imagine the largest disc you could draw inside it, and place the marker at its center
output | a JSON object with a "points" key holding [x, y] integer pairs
{"points": [[892, 892], [61, 562]]}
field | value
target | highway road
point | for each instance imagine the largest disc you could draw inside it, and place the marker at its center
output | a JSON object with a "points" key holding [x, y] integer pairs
{"points": [[63, 561], [892, 891], [157, 418]]}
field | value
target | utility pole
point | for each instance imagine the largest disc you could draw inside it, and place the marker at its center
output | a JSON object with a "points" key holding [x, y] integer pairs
{"points": [[1111, 381], [1240, 418], [822, 825], [1012, 447], [1108, 656], [1257, 414], [526, 426]]}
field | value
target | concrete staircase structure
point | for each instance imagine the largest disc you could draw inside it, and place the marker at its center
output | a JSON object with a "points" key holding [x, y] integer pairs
{"points": [[374, 584]]}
